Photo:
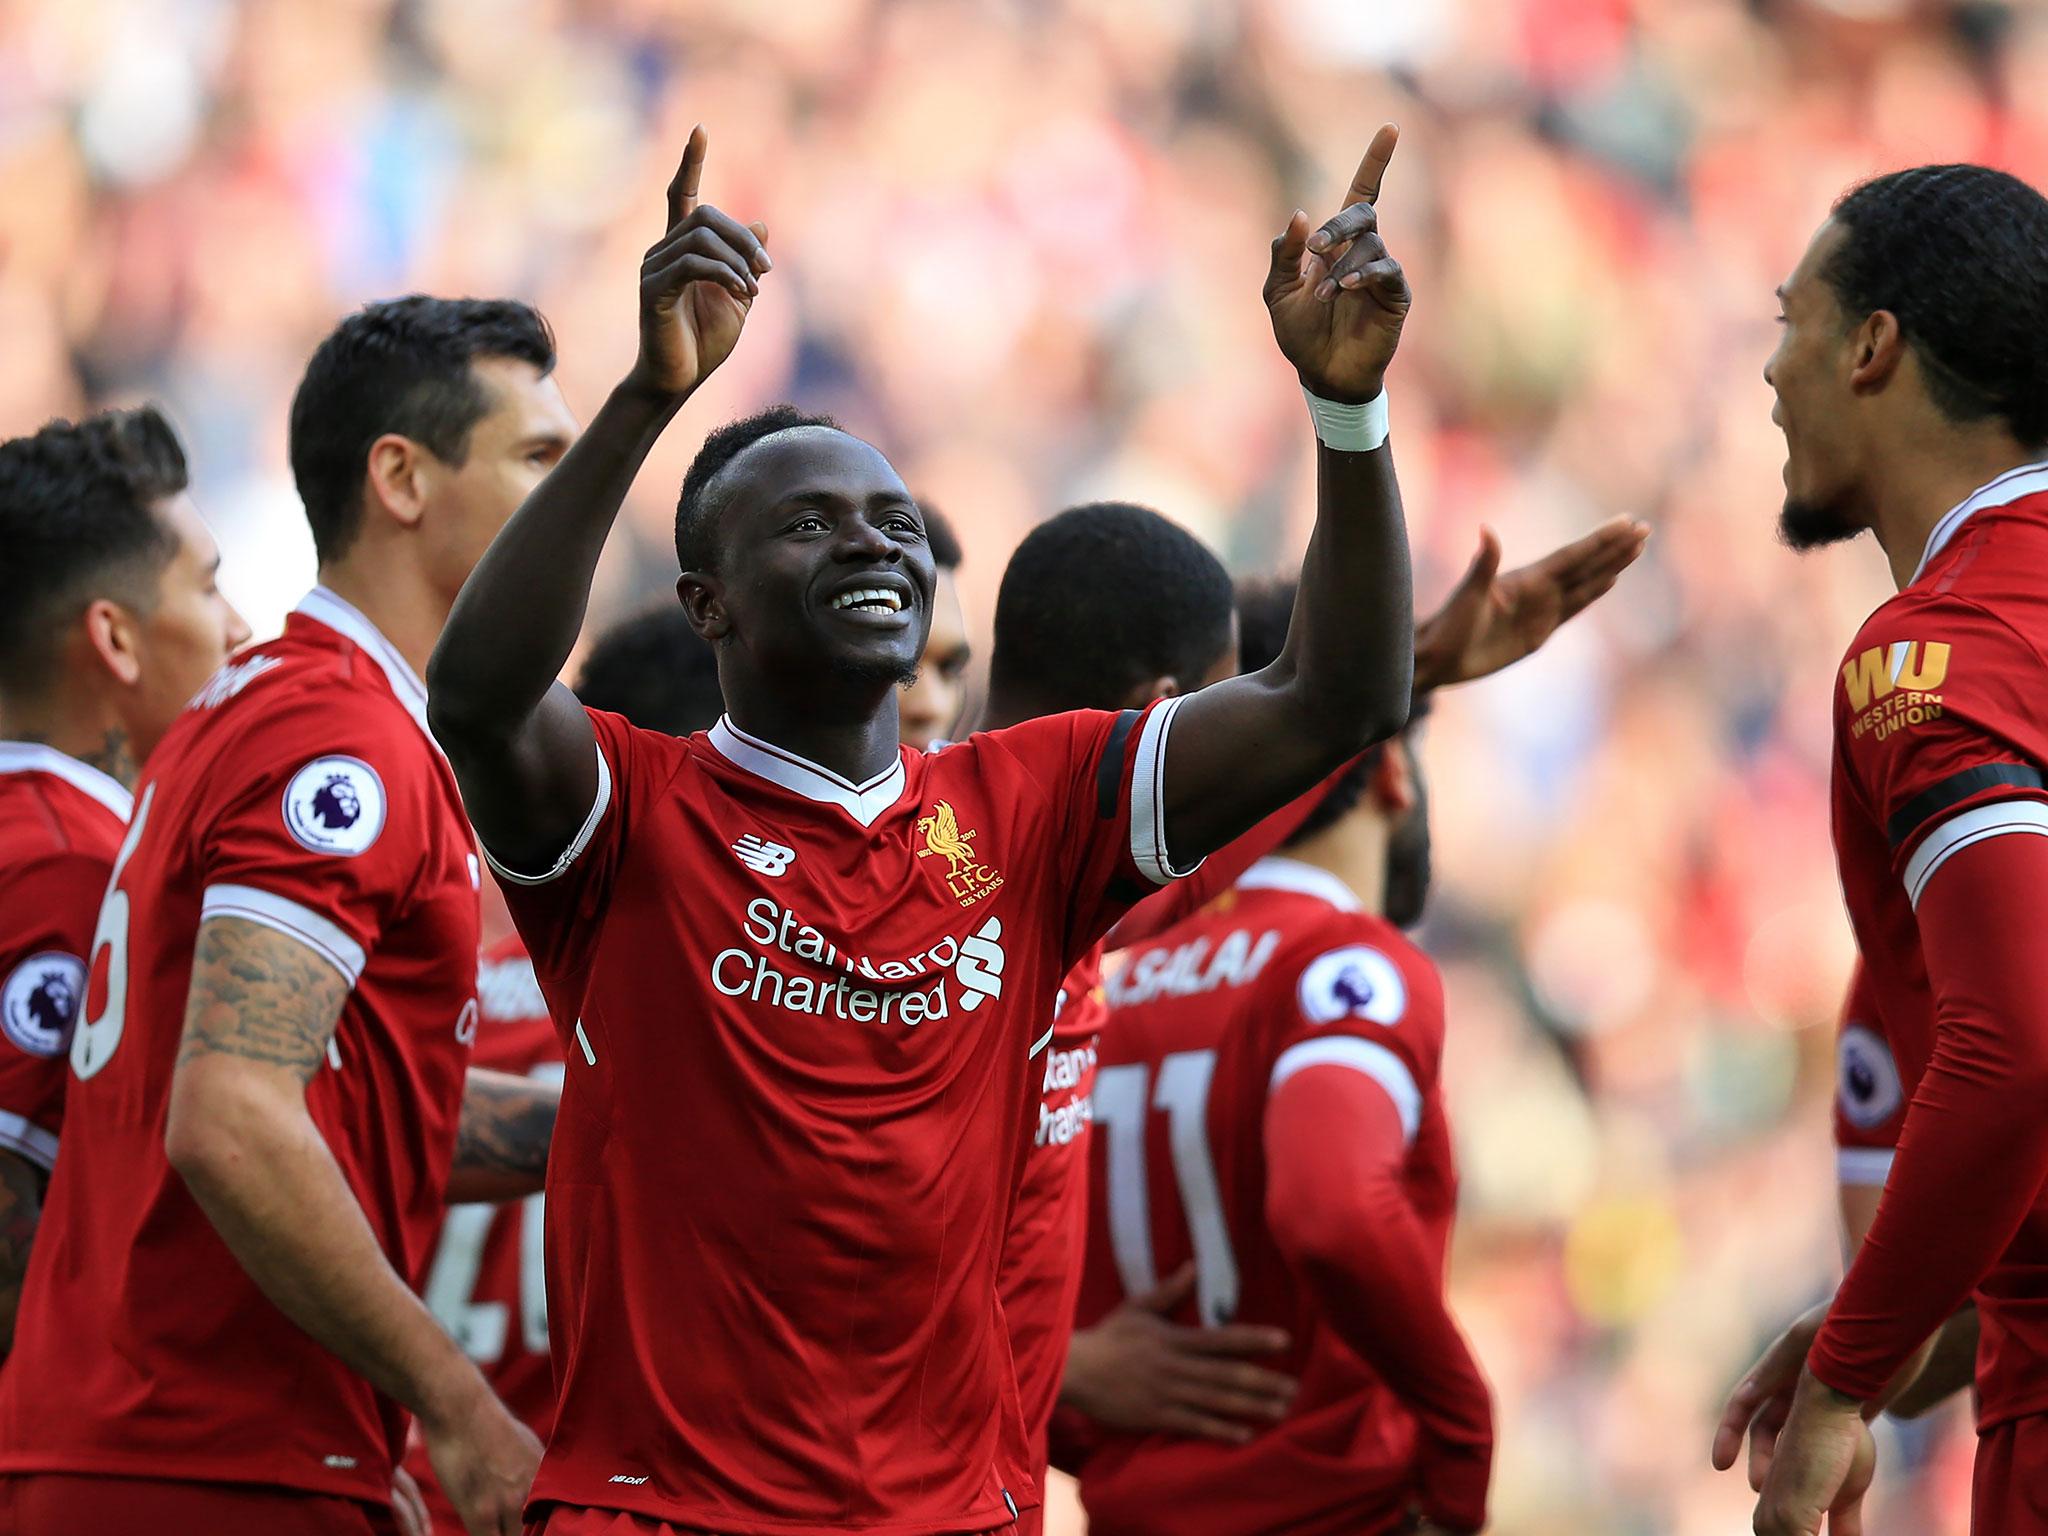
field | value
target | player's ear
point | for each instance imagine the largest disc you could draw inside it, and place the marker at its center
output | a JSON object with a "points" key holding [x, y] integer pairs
{"points": [[395, 481], [116, 640], [703, 600], [1876, 350], [1393, 780], [1144, 693]]}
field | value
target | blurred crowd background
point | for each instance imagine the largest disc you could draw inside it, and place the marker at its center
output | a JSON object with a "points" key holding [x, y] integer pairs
{"points": [[1021, 245]]}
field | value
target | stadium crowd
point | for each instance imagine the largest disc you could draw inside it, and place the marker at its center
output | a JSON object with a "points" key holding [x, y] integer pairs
{"points": [[1020, 244]]}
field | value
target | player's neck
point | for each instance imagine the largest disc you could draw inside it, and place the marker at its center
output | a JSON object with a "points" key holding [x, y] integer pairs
{"points": [[1919, 483], [78, 723], [396, 597], [854, 735], [1354, 849]]}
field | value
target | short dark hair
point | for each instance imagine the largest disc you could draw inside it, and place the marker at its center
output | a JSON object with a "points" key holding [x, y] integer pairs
{"points": [[939, 536], [1959, 253], [656, 671], [695, 548], [1101, 599], [1265, 608], [403, 366], [78, 520]]}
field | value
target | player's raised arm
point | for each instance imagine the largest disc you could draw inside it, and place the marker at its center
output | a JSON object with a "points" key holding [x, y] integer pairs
{"points": [[1240, 748], [520, 744]]}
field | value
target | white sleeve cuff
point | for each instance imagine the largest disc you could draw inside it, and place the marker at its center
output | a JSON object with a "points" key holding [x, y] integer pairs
{"points": [[1367, 1056], [1148, 798], [22, 1135], [1976, 825], [1869, 1166], [325, 937], [577, 844]]}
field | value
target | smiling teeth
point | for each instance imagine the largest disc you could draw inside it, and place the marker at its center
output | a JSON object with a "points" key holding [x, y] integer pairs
{"points": [[870, 597]]}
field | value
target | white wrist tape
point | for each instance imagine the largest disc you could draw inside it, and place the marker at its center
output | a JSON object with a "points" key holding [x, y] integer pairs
{"points": [[1349, 428]]}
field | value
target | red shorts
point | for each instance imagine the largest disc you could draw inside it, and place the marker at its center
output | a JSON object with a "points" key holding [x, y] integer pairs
{"points": [[580, 1520], [2009, 1493], [64, 1504]]}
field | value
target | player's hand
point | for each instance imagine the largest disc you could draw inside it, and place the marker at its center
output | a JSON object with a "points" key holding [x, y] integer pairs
{"points": [[408, 1507], [1823, 1466], [485, 1460], [696, 284], [1136, 1370], [1763, 1398], [1337, 298], [1492, 621]]}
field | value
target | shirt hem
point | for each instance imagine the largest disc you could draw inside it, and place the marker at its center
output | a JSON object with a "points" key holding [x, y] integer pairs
{"points": [[726, 1523], [373, 1490]]}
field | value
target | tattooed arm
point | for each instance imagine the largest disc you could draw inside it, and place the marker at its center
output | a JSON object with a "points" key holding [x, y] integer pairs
{"points": [[21, 1207], [501, 1151], [257, 1021]]}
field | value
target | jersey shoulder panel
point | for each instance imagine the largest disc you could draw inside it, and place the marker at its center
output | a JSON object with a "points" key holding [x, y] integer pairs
{"points": [[1354, 975]]}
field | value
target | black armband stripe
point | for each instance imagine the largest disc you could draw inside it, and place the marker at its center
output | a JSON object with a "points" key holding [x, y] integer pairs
{"points": [[1109, 773], [1954, 790]]}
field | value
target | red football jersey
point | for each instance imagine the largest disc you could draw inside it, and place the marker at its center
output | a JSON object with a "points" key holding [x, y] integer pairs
{"points": [[60, 824], [299, 790], [1041, 1270], [485, 1281], [1041, 1265], [1870, 1101], [1282, 973], [1941, 739], [803, 1024]]}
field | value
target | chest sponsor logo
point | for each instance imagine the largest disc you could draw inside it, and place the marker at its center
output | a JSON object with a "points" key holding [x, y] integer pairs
{"points": [[764, 857], [231, 680], [1190, 969], [335, 805], [966, 877], [1866, 1077], [1355, 982], [1896, 686], [954, 972], [39, 1002]]}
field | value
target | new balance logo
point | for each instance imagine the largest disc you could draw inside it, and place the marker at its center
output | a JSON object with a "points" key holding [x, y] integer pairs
{"points": [[763, 857]]}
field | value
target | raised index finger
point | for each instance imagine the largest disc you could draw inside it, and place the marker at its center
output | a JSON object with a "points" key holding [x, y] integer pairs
{"points": [[682, 190], [1372, 170]]}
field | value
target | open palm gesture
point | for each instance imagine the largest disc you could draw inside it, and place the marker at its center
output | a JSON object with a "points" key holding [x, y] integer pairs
{"points": [[696, 284], [1337, 298]]}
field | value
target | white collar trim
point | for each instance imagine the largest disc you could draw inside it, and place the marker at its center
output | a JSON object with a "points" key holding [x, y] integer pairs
{"points": [[2012, 486], [778, 765], [34, 757], [1274, 873], [344, 618]]}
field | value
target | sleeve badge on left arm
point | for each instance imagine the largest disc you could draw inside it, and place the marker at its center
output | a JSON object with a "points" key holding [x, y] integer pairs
{"points": [[335, 805], [1356, 982], [40, 1002]]}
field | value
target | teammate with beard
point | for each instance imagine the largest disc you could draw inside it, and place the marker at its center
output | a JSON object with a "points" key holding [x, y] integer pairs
{"points": [[802, 973], [486, 1282], [1268, 1109], [1914, 401], [270, 1102], [110, 619]]}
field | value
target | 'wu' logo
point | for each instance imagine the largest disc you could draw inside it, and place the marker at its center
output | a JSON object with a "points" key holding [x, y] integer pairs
{"points": [[764, 857]]}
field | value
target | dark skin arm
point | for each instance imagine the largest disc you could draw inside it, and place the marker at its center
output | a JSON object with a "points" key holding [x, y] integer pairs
{"points": [[21, 1208], [520, 744], [1239, 748], [501, 1145]]}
